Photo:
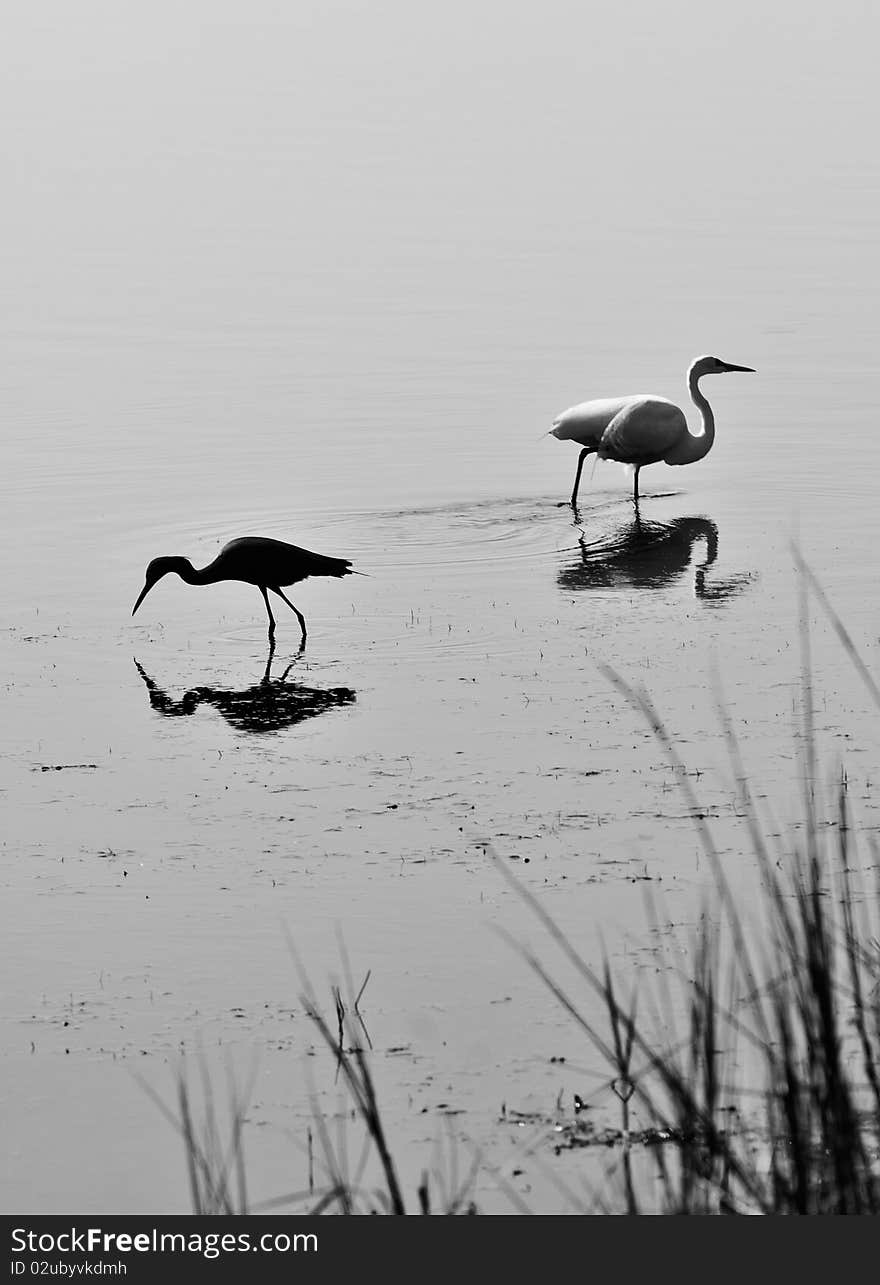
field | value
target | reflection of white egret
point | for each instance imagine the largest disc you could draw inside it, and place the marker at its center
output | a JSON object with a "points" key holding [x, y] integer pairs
{"points": [[642, 430], [651, 555]]}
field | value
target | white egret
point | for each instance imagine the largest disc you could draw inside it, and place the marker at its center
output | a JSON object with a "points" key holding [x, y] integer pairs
{"points": [[641, 430]]}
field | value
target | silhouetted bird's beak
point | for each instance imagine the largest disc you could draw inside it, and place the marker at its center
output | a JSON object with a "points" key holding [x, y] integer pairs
{"points": [[749, 369], [143, 593]]}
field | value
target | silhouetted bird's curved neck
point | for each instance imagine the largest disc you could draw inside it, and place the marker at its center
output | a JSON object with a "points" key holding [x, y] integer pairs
{"points": [[196, 575]]}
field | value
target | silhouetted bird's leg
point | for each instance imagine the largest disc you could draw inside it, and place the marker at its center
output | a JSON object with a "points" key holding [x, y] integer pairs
{"points": [[302, 647], [271, 618], [577, 477], [300, 617], [267, 676], [636, 485]]}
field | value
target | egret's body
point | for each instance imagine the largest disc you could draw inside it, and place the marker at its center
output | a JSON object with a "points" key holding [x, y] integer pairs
{"points": [[642, 429], [253, 559]]}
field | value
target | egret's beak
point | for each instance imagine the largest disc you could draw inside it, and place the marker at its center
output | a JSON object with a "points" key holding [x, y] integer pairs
{"points": [[750, 369], [143, 593]]}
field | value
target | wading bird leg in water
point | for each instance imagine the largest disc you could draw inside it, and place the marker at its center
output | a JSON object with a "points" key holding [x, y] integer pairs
{"points": [[302, 648], [266, 677], [636, 486], [577, 477], [271, 619], [300, 617]]}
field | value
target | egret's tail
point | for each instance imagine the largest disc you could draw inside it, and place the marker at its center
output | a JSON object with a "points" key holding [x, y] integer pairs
{"points": [[321, 565]]}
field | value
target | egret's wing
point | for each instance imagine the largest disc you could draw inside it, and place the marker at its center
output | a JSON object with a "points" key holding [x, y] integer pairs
{"points": [[258, 559], [643, 431], [586, 422]]}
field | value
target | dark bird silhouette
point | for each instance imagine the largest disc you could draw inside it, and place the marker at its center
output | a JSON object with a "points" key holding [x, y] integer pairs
{"points": [[255, 560], [641, 429], [267, 706], [651, 555]]}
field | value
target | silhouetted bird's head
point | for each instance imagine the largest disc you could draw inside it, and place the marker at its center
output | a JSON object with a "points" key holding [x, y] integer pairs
{"points": [[158, 568]]}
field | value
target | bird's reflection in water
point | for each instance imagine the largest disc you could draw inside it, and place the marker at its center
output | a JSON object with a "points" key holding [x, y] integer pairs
{"points": [[268, 706], [651, 555]]}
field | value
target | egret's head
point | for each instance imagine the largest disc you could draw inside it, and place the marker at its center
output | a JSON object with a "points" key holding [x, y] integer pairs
{"points": [[158, 568], [714, 366]]}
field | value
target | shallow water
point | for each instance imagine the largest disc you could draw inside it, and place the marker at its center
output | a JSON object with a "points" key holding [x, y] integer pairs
{"points": [[331, 285]]}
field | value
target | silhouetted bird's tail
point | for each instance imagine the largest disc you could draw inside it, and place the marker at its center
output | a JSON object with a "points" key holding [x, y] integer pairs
{"points": [[323, 566]]}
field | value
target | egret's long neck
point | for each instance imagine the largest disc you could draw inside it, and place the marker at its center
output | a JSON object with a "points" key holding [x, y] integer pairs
{"points": [[191, 574], [694, 448]]}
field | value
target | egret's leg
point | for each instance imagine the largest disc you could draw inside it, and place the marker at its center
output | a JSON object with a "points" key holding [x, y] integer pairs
{"points": [[636, 485], [300, 617], [271, 617], [577, 477], [302, 648], [267, 677]]}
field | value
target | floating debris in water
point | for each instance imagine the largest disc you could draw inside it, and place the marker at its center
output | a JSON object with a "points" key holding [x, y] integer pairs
{"points": [[64, 767]]}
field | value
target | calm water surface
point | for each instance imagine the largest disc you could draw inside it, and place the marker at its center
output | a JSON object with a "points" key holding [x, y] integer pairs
{"points": [[328, 276]]}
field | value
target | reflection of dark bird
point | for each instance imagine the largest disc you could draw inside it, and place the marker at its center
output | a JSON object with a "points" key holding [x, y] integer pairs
{"points": [[268, 564], [642, 430], [650, 555], [268, 706]]}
